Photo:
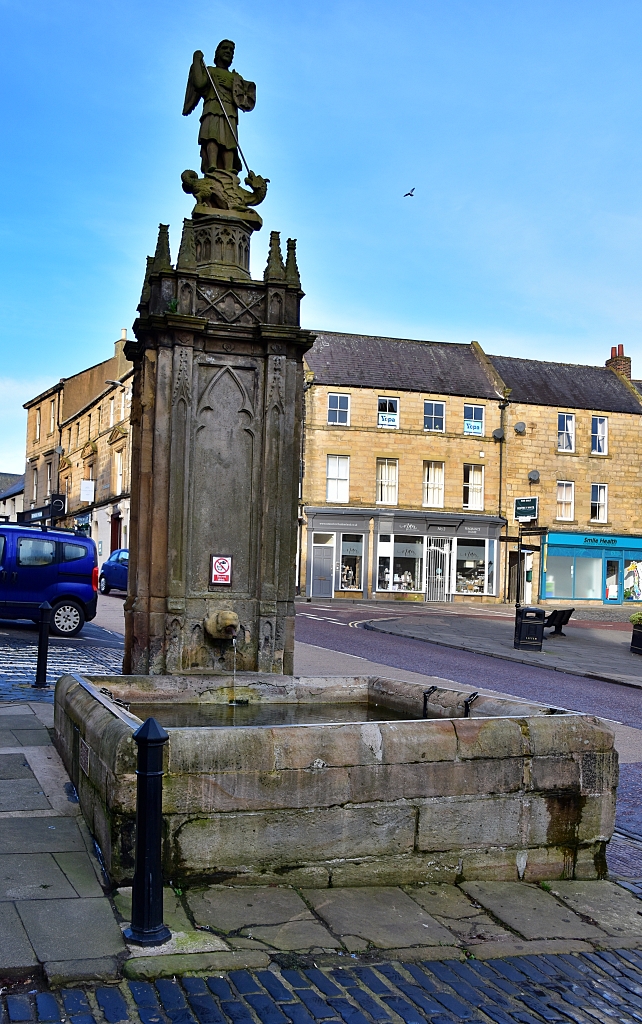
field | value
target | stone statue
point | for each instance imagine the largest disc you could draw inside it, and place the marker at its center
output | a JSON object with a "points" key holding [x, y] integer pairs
{"points": [[223, 92]]}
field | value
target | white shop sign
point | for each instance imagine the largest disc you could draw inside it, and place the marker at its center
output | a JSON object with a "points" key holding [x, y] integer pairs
{"points": [[221, 570]]}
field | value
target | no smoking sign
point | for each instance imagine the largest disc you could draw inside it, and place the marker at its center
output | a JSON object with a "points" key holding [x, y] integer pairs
{"points": [[221, 570]]}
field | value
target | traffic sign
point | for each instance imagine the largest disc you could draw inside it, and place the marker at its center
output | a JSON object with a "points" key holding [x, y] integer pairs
{"points": [[525, 509], [221, 570]]}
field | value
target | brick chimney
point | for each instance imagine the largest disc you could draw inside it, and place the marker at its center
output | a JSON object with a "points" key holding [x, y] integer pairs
{"points": [[619, 361]]}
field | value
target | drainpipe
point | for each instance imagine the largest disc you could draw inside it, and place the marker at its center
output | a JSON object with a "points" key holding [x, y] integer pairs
{"points": [[503, 405]]}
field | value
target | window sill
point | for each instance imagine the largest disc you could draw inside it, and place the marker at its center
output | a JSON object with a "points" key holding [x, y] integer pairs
{"points": [[567, 522], [599, 522], [600, 455], [561, 452]]}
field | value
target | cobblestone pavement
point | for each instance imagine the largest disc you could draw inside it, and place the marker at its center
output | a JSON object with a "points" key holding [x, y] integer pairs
{"points": [[590, 987], [95, 650]]}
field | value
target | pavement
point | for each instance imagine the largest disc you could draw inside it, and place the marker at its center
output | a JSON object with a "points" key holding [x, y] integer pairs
{"points": [[595, 649], [477, 952]]}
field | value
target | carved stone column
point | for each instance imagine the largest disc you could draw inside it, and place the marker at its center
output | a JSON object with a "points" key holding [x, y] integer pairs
{"points": [[216, 421]]}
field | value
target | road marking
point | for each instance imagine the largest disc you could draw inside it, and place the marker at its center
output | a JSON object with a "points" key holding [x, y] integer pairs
{"points": [[319, 648]]}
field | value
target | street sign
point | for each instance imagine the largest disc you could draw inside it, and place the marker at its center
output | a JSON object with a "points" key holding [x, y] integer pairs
{"points": [[58, 505], [525, 509], [221, 570]]}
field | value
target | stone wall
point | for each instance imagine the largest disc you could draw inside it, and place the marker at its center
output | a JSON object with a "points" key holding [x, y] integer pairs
{"points": [[516, 791]]}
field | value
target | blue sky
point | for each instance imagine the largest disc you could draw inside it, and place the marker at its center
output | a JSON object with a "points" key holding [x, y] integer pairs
{"points": [[518, 123]]}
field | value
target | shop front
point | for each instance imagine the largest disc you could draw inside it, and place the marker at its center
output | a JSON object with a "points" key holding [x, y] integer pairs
{"points": [[417, 556], [337, 554], [592, 567]]}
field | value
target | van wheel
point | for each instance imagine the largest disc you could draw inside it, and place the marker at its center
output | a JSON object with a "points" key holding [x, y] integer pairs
{"points": [[67, 618], [103, 585]]}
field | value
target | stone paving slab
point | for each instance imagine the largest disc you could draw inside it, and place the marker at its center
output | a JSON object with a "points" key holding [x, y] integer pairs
{"points": [[606, 903], [14, 766], [529, 911], [529, 989], [22, 794], [383, 916], [40, 835], [71, 929]]}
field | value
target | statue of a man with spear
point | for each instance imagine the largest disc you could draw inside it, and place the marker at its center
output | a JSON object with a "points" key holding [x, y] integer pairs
{"points": [[224, 93]]}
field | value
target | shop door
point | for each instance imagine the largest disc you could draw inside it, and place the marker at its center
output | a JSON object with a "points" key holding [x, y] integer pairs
{"points": [[613, 581], [322, 561], [437, 570]]}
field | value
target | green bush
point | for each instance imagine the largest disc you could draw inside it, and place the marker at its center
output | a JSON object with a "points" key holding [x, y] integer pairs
{"points": [[636, 619]]}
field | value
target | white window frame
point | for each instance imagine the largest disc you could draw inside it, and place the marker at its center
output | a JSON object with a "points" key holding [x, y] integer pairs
{"points": [[122, 404], [112, 402], [599, 501], [36, 436], [119, 471], [473, 419], [388, 420], [34, 486], [337, 411], [564, 421], [569, 489], [52, 417], [337, 479], [435, 430], [597, 437], [387, 482], [475, 487], [433, 490], [49, 479]]}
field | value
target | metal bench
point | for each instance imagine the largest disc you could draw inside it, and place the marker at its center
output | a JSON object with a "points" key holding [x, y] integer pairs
{"points": [[557, 619]]}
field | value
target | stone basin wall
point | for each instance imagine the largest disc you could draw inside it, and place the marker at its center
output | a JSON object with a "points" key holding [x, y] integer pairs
{"points": [[517, 790]]}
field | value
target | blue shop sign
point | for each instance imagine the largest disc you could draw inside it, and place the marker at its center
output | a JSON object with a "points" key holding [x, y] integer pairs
{"points": [[592, 540]]}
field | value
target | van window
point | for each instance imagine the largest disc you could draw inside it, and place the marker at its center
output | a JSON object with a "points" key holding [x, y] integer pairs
{"points": [[36, 551], [72, 552], [2, 543]]}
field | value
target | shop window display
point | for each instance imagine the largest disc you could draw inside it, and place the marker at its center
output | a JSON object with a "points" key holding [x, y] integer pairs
{"points": [[471, 567], [633, 579], [351, 561], [407, 558]]}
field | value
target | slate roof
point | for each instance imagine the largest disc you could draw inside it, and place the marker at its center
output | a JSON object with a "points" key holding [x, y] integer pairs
{"points": [[364, 361], [637, 384], [16, 488], [566, 385]]}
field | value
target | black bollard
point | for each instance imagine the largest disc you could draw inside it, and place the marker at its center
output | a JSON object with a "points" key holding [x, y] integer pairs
{"points": [[43, 645], [147, 928]]}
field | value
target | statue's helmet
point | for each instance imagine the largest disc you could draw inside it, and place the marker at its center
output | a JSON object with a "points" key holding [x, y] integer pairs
{"points": [[225, 44]]}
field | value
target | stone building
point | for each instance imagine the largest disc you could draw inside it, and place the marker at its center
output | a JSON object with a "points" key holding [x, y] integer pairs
{"points": [[12, 487], [415, 452], [77, 446]]}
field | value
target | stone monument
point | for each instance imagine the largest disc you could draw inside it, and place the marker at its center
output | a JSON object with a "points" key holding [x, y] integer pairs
{"points": [[216, 420]]}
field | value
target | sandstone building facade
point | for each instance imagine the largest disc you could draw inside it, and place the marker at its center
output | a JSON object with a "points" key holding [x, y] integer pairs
{"points": [[77, 446], [414, 455]]}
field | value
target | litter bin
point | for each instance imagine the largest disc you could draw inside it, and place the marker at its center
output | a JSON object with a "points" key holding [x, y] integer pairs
{"points": [[529, 628]]}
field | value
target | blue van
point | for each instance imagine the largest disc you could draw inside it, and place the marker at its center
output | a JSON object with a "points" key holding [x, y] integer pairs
{"points": [[58, 566]]}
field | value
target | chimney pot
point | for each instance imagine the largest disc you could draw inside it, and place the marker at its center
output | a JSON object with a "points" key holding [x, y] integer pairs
{"points": [[620, 350], [613, 351], [123, 335]]}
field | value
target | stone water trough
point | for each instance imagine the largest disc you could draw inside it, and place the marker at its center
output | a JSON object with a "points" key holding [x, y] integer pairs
{"points": [[334, 781]]}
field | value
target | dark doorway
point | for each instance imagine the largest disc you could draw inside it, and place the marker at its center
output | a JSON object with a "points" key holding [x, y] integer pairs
{"points": [[116, 533]]}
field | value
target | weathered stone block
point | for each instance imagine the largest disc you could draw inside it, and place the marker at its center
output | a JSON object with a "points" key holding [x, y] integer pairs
{"points": [[568, 734], [450, 823], [405, 742], [489, 737], [220, 750], [555, 773], [293, 837], [251, 791], [599, 771]]}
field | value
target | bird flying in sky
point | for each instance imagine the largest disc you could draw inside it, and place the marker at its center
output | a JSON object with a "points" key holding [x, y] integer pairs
{"points": [[411, 193]]}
